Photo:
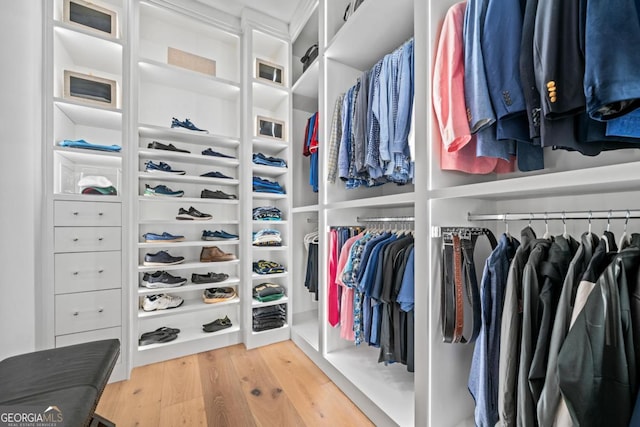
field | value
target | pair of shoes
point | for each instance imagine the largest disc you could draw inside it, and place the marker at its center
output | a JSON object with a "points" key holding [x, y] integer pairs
{"points": [[159, 146], [208, 194], [208, 278], [161, 302], [192, 215], [215, 174], [214, 295], [164, 237], [161, 167], [160, 335], [161, 190], [218, 235], [162, 258], [162, 279], [215, 254], [186, 124], [217, 325], [210, 152]]}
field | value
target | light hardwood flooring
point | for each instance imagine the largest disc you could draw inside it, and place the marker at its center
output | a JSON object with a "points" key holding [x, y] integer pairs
{"points": [[275, 385]]}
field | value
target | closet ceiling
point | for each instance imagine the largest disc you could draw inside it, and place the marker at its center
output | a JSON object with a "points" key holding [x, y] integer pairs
{"points": [[281, 9]]}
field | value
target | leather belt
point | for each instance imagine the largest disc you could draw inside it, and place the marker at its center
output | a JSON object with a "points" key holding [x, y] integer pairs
{"points": [[457, 281]]}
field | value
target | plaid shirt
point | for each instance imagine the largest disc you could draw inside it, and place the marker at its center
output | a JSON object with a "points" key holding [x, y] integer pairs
{"points": [[334, 140]]}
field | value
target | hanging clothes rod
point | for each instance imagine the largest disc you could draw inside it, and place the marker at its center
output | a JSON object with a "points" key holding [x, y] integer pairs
{"points": [[541, 216], [386, 219]]}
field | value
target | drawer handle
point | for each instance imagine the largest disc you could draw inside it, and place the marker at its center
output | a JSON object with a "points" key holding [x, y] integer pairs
{"points": [[75, 213], [75, 239], [100, 239], [75, 273], [100, 213], [100, 310], [101, 271]]}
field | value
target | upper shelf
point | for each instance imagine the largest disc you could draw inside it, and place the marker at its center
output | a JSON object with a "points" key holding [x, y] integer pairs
{"points": [[184, 79], [269, 96], [307, 84], [375, 29], [92, 116], [90, 50], [159, 132]]}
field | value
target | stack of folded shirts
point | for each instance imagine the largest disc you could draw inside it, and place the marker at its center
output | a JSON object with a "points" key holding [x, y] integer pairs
{"points": [[267, 237], [271, 317], [267, 213], [261, 185], [97, 184], [267, 267], [261, 159], [265, 292]]}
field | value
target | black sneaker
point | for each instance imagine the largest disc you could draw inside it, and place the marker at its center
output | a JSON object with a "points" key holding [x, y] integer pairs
{"points": [[162, 258], [192, 214], [160, 146], [209, 278], [161, 279], [208, 194]]}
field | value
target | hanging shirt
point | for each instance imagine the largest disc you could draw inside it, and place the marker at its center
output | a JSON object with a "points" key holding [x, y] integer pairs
{"points": [[334, 140]]}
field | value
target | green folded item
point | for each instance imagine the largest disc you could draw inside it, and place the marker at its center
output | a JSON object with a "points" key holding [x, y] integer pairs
{"points": [[265, 292]]}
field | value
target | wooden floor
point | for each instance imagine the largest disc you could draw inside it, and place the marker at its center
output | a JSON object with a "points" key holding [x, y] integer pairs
{"points": [[276, 385]]}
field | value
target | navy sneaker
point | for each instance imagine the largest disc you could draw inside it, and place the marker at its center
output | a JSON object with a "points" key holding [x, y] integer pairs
{"points": [[215, 174], [159, 238], [218, 235], [162, 258], [162, 167], [186, 124], [162, 279], [210, 152], [161, 191], [160, 146]]}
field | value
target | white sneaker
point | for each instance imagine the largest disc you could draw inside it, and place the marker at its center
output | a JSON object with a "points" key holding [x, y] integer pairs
{"points": [[161, 302]]}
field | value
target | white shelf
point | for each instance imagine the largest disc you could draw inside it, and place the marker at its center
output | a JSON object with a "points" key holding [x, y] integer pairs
{"points": [[376, 28], [192, 81], [187, 266], [86, 198], [308, 329], [188, 306], [269, 96], [150, 153], [269, 196], [89, 115], [90, 49], [390, 201], [169, 177], [183, 222], [255, 303], [269, 170], [90, 157], [189, 244], [273, 145], [185, 200], [256, 276], [259, 249], [187, 336], [305, 209], [307, 84], [189, 286], [183, 135], [269, 223]]}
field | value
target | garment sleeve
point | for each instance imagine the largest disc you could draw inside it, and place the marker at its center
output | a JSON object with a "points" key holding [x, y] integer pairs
{"points": [[334, 140]]}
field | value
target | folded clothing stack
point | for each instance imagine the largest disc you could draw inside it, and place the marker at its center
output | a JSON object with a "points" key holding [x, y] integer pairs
{"points": [[267, 237], [81, 143], [267, 267], [98, 185], [261, 159], [271, 317], [265, 292], [261, 185], [267, 213]]}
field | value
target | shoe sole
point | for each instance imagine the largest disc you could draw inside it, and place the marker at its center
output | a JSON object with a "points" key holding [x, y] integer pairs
{"points": [[215, 239], [217, 260], [191, 218], [189, 130], [162, 195], [152, 285], [181, 239], [169, 172], [152, 264], [216, 300], [167, 308]]}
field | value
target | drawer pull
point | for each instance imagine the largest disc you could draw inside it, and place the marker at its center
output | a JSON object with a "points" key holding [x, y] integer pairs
{"points": [[75, 239], [100, 213], [75, 273], [101, 271], [100, 310], [100, 239], [75, 213]]}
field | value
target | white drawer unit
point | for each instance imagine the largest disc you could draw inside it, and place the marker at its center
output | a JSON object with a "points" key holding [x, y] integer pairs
{"points": [[82, 239], [86, 311], [82, 337], [87, 214], [87, 271]]}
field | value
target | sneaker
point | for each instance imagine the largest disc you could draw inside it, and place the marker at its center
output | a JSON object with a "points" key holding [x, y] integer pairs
{"points": [[161, 302], [162, 258], [186, 124], [193, 214], [160, 146], [208, 194], [159, 238], [162, 279], [213, 295], [215, 254], [218, 235], [217, 325], [210, 152], [161, 190], [208, 278], [162, 167], [215, 175]]}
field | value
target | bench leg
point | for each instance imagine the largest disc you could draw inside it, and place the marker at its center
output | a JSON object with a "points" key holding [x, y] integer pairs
{"points": [[98, 421]]}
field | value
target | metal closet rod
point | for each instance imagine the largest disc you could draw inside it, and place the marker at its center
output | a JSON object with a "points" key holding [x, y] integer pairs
{"points": [[537, 216], [386, 219]]}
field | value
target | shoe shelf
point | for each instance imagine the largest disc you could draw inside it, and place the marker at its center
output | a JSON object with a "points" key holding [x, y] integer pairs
{"points": [[86, 198], [186, 157], [89, 115], [186, 266], [267, 277], [185, 222], [255, 303], [183, 135], [189, 244], [192, 81], [269, 170], [193, 179], [281, 328], [271, 145], [269, 248], [269, 196], [185, 200], [188, 306], [267, 223], [187, 335], [90, 50], [189, 286]]}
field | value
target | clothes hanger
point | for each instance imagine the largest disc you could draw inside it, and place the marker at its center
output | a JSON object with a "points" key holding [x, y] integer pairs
{"points": [[590, 215], [546, 235], [506, 227], [608, 236], [625, 239], [564, 225]]}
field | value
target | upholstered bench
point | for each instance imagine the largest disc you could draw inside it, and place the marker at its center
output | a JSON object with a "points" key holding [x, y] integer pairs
{"points": [[69, 379]]}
